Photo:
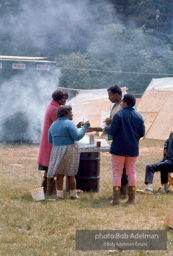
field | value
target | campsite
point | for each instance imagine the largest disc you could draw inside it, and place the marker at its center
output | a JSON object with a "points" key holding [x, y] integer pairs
{"points": [[58, 53], [49, 227]]}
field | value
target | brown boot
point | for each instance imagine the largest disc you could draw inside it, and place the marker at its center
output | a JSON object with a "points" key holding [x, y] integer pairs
{"points": [[124, 191], [110, 197], [44, 184], [131, 199], [51, 187], [116, 196]]}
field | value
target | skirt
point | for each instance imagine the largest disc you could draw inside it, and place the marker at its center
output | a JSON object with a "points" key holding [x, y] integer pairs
{"points": [[64, 160]]}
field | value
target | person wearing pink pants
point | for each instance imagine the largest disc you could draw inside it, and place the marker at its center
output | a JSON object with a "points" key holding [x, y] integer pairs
{"points": [[126, 129], [118, 163]]}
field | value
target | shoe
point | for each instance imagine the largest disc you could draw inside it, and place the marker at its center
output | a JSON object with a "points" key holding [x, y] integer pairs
{"points": [[164, 191], [75, 197], [150, 190], [59, 198], [147, 192]]}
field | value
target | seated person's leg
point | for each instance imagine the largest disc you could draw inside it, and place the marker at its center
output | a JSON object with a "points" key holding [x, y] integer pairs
{"points": [[166, 167], [149, 174]]}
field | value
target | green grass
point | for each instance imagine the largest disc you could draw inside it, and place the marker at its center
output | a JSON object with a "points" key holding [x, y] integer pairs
{"points": [[49, 227]]}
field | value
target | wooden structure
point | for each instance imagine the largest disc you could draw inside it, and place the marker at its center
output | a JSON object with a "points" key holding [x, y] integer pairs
{"points": [[170, 181], [156, 107]]}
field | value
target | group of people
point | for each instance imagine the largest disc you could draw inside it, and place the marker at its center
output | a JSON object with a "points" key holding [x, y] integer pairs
{"points": [[59, 153]]}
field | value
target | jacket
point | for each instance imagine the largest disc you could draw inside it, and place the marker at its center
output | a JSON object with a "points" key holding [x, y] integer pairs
{"points": [[127, 128], [45, 146]]}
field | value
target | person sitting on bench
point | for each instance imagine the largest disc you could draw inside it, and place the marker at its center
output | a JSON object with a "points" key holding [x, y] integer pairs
{"points": [[164, 166]]}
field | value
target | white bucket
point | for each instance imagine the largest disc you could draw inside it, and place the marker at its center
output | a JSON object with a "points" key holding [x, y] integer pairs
{"points": [[37, 194]]}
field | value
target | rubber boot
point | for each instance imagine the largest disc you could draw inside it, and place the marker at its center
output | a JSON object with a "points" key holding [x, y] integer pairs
{"points": [[131, 199], [116, 196], [124, 191], [110, 197], [51, 187], [44, 184]]}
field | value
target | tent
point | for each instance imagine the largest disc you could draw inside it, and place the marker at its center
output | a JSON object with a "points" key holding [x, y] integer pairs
{"points": [[92, 105], [156, 107]]}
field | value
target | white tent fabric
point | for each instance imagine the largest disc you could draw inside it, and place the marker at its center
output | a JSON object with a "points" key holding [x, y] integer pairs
{"points": [[92, 105], [156, 107]]}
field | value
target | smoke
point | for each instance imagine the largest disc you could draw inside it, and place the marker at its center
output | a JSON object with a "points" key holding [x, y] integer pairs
{"points": [[23, 102], [40, 26], [53, 27], [69, 24]]}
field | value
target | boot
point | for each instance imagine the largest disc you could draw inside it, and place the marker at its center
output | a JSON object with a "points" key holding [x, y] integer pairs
{"points": [[131, 199], [44, 184], [116, 196], [110, 197], [123, 191], [51, 187]]}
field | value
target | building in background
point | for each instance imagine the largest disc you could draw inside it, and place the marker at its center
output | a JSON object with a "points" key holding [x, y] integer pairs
{"points": [[26, 86]]}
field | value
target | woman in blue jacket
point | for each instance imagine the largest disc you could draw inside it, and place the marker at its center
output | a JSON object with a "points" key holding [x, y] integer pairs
{"points": [[127, 128], [65, 154]]}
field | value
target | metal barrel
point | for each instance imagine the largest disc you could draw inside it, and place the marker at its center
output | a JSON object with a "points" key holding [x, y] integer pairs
{"points": [[88, 176]]}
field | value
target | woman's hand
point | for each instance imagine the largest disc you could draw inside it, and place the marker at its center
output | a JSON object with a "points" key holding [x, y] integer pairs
{"points": [[87, 123], [80, 124]]}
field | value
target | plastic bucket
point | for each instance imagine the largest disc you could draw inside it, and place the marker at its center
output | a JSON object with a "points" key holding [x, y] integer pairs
{"points": [[37, 194]]}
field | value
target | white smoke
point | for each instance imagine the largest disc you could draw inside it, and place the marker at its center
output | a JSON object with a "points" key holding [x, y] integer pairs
{"points": [[25, 96]]}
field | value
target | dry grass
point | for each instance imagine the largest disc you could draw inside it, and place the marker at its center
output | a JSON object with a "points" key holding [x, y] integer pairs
{"points": [[49, 228]]}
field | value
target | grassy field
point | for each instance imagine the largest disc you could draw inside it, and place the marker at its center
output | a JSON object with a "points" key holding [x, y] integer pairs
{"points": [[49, 227]]}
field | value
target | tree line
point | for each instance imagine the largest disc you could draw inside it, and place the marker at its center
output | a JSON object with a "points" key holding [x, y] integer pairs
{"points": [[108, 41]]}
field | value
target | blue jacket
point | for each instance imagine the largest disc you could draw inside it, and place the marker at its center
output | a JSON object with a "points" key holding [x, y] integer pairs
{"points": [[127, 128], [64, 132]]}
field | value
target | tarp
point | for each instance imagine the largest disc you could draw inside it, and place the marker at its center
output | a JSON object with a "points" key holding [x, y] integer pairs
{"points": [[156, 107]]}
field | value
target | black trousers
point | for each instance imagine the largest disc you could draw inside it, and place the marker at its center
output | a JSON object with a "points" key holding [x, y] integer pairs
{"points": [[124, 178], [164, 167]]}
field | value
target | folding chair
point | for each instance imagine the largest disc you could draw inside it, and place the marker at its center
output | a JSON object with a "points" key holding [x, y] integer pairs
{"points": [[170, 181]]}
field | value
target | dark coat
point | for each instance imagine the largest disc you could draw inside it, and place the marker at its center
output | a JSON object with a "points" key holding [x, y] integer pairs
{"points": [[127, 128]]}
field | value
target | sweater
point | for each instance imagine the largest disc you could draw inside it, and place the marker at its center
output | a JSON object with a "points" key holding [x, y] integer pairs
{"points": [[64, 132], [127, 128]]}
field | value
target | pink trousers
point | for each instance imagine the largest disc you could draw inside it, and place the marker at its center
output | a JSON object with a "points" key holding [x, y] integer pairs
{"points": [[118, 163]]}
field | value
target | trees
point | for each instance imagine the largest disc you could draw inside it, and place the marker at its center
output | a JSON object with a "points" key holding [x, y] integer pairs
{"points": [[111, 40], [124, 56]]}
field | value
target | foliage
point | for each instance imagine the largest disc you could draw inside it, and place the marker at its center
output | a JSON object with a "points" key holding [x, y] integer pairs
{"points": [[111, 41], [122, 55]]}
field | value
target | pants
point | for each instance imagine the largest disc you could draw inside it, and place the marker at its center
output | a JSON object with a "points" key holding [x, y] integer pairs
{"points": [[163, 166], [124, 178], [118, 163]]}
